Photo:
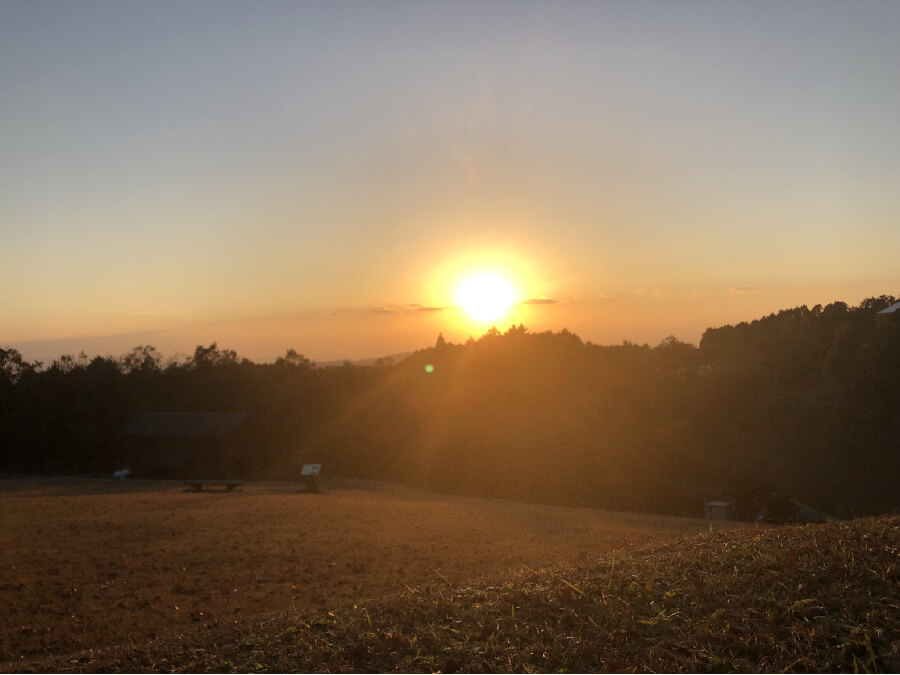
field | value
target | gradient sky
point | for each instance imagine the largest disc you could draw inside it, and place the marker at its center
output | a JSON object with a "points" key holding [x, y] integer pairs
{"points": [[320, 175]]}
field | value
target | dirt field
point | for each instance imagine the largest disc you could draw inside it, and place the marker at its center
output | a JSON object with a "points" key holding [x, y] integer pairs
{"points": [[89, 564]]}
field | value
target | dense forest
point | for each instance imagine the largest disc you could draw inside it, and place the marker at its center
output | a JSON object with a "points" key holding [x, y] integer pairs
{"points": [[805, 401]]}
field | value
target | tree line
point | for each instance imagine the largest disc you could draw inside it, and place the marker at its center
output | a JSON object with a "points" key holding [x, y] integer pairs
{"points": [[806, 400]]}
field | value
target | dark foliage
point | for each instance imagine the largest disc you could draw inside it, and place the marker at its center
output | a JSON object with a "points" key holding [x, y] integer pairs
{"points": [[806, 401]]}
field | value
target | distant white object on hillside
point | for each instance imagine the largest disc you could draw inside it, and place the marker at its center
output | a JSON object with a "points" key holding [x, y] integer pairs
{"points": [[122, 474], [893, 309]]}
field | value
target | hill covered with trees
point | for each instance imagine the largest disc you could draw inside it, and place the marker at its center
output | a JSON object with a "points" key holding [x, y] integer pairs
{"points": [[805, 401]]}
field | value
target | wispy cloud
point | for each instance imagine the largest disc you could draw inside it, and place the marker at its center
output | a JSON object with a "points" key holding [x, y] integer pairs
{"points": [[538, 301], [743, 289], [404, 309]]}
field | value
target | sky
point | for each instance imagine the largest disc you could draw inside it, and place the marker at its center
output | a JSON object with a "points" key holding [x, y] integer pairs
{"points": [[323, 175]]}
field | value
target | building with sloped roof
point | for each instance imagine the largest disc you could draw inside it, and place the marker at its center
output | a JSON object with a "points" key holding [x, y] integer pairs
{"points": [[187, 445]]}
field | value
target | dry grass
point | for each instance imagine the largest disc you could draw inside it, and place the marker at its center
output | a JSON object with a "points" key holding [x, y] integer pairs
{"points": [[823, 598], [93, 565]]}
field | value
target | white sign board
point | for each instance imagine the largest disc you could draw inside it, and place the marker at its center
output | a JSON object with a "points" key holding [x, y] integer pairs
{"points": [[311, 470]]}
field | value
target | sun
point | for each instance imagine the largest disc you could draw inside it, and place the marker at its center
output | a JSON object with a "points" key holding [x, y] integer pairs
{"points": [[485, 297]]}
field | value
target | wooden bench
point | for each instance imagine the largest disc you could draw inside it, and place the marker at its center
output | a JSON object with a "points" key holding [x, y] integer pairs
{"points": [[229, 485]]}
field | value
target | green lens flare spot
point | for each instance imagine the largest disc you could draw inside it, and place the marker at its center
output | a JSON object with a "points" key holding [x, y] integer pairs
{"points": [[429, 368]]}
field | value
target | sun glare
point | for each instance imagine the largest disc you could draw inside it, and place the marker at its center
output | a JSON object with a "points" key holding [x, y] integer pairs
{"points": [[485, 297]]}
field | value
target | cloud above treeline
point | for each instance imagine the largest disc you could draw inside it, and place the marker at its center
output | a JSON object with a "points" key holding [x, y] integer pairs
{"points": [[405, 309]]}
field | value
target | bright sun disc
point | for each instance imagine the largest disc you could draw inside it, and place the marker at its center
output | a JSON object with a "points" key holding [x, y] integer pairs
{"points": [[485, 297]]}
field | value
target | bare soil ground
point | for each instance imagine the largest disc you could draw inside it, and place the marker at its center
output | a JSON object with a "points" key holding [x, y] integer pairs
{"points": [[93, 564]]}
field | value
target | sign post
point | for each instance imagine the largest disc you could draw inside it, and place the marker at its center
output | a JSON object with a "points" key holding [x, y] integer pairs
{"points": [[310, 475]]}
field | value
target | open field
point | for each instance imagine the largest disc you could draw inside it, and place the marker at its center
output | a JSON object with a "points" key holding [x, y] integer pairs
{"points": [[368, 578], [99, 564], [820, 598]]}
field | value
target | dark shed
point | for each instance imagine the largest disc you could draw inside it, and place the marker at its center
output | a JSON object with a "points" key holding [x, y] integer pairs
{"points": [[186, 445]]}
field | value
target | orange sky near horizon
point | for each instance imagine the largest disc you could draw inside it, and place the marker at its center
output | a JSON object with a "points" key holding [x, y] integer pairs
{"points": [[644, 316]]}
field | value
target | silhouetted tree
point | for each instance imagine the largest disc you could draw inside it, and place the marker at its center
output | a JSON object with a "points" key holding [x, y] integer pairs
{"points": [[805, 399]]}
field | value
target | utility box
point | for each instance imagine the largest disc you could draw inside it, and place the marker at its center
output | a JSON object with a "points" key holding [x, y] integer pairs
{"points": [[718, 510]]}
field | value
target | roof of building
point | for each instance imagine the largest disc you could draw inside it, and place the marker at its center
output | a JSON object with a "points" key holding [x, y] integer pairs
{"points": [[170, 458], [184, 424], [893, 309]]}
